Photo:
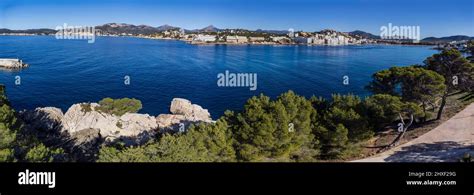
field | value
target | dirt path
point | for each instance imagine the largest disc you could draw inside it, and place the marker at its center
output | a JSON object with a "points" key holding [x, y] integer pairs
{"points": [[447, 142]]}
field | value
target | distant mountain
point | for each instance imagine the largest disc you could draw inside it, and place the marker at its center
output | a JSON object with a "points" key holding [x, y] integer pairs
{"points": [[44, 31], [278, 32], [166, 27], [446, 39], [209, 28], [119, 28], [363, 34]]}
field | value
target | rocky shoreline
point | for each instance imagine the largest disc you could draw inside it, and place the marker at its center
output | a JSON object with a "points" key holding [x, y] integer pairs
{"points": [[84, 125]]}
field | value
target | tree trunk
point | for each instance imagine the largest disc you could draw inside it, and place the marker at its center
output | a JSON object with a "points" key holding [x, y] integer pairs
{"points": [[396, 141], [441, 107], [424, 111]]}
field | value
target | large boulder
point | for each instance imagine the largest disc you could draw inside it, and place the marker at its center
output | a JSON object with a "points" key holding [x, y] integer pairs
{"points": [[43, 119], [192, 112], [131, 126], [184, 113]]}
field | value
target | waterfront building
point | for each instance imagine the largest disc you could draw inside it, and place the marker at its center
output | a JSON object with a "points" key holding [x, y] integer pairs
{"points": [[204, 38], [257, 39], [236, 39]]}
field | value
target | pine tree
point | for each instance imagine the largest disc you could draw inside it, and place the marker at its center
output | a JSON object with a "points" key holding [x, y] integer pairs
{"points": [[457, 71], [9, 126]]}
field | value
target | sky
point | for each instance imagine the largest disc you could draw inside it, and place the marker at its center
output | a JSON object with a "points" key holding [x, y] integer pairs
{"points": [[435, 17]]}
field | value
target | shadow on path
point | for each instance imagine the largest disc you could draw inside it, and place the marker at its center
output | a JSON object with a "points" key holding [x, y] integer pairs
{"points": [[431, 152]]}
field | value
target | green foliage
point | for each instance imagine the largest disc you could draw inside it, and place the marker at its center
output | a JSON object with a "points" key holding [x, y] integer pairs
{"points": [[382, 109], [9, 126], [202, 143], [421, 85], [278, 129], [131, 154], [412, 84], [470, 47], [385, 82], [348, 110], [7, 155], [15, 144], [416, 84], [337, 142], [41, 153], [119, 106], [289, 128], [341, 123], [86, 107], [450, 63]]}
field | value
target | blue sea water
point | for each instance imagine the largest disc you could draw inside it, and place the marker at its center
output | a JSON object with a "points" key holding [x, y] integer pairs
{"points": [[64, 72]]}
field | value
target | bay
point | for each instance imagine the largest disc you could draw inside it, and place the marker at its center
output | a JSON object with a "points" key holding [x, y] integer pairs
{"points": [[64, 72]]}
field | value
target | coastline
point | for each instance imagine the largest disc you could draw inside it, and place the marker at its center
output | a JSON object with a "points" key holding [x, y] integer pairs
{"points": [[241, 44]]}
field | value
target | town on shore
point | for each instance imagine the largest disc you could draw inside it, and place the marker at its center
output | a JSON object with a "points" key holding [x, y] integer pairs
{"points": [[238, 36]]}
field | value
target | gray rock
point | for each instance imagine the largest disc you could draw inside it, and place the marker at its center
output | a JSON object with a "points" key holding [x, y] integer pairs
{"points": [[192, 112], [111, 127], [86, 136], [183, 114]]}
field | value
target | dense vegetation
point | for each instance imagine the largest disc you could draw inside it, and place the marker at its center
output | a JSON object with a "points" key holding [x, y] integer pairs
{"points": [[119, 106], [289, 128], [16, 143]]}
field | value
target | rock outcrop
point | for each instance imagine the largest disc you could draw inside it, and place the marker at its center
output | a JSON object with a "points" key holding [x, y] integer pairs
{"points": [[192, 112], [86, 125], [183, 114], [129, 125]]}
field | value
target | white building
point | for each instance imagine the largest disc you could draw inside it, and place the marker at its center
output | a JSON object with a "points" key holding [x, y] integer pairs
{"points": [[257, 39], [205, 38], [278, 39], [236, 39], [303, 40]]}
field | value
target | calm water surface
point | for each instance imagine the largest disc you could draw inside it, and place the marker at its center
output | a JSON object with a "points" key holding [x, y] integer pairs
{"points": [[64, 72]]}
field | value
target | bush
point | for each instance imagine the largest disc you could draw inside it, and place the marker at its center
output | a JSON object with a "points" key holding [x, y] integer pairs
{"points": [[277, 129], [201, 143], [9, 126], [86, 107], [119, 106], [41, 153]]}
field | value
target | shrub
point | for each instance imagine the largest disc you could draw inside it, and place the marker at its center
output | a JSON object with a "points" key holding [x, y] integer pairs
{"points": [[119, 106], [9, 126], [41, 153]]}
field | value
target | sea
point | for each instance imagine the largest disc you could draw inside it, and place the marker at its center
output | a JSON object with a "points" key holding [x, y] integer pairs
{"points": [[65, 72]]}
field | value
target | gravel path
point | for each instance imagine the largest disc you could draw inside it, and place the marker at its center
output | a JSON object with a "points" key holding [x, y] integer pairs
{"points": [[446, 143]]}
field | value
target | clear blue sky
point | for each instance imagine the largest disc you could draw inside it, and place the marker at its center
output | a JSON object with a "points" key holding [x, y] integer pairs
{"points": [[435, 17]]}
